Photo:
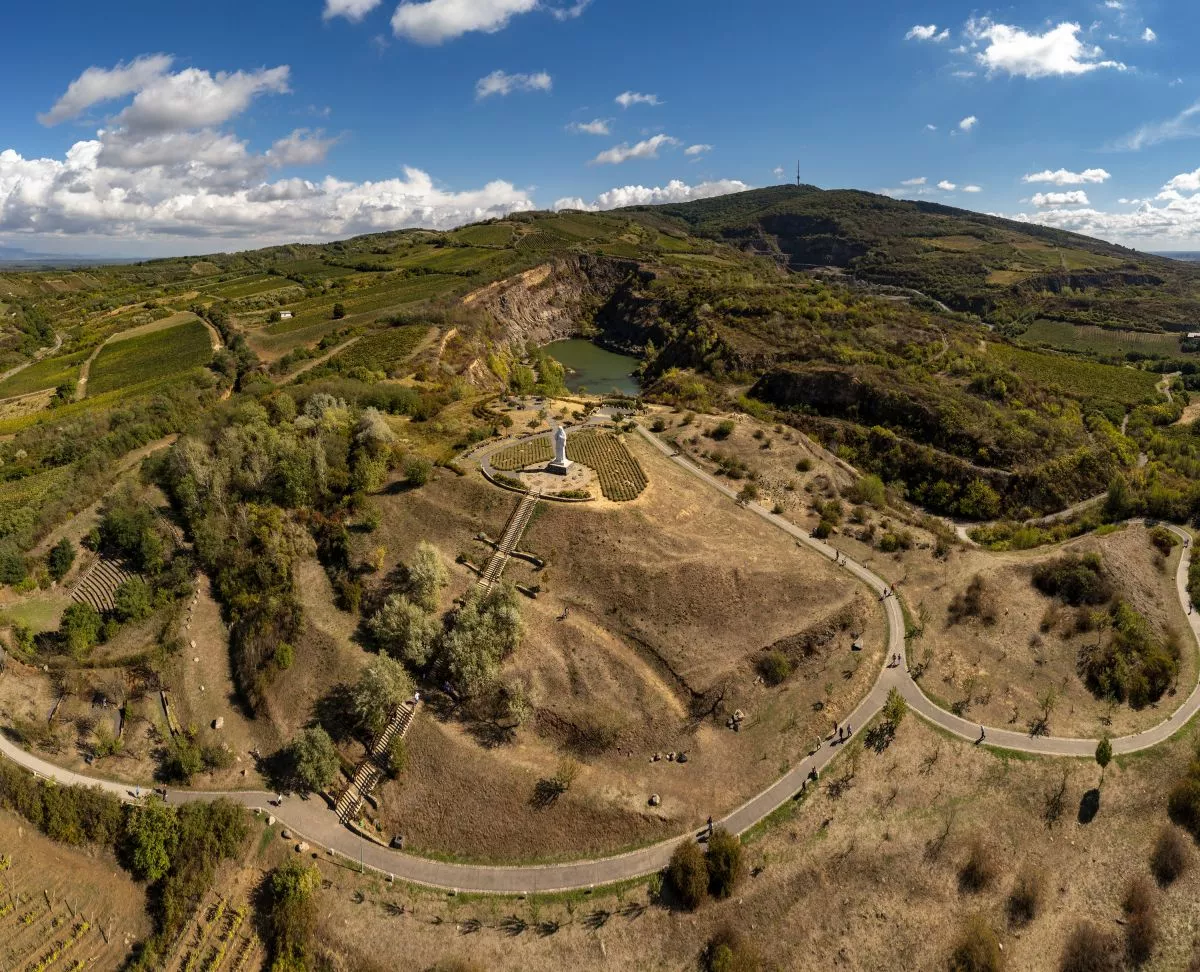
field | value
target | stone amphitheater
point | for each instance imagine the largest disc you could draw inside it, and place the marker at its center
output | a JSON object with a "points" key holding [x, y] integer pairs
{"points": [[99, 582]]}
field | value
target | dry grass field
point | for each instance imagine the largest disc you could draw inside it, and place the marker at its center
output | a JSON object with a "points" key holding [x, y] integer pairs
{"points": [[670, 601], [1004, 667], [869, 879]]}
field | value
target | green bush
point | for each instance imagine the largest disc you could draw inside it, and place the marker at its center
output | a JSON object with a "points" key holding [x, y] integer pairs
{"points": [[314, 759], [726, 863], [1074, 580], [722, 430], [291, 919], [774, 667], [687, 874], [1134, 665], [60, 558], [80, 629]]}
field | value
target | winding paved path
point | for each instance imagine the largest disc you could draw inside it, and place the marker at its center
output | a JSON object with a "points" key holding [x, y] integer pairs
{"points": [[313, 820]]}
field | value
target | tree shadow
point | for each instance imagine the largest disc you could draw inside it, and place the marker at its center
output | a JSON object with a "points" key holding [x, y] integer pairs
{"points": [[1089, 806], [880, 736], [335, 712]]}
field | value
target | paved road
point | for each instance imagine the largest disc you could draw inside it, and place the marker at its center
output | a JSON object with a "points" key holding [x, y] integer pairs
{"points": [[313, 820]]}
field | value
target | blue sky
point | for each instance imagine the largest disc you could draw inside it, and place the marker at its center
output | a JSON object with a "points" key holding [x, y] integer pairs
{"points": [[154, 130]]}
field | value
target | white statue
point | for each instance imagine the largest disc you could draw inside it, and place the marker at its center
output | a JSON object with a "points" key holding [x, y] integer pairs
{"points": [[561, 463]]}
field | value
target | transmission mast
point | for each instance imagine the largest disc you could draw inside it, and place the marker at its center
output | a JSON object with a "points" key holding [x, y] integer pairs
{"points": [[797, 173]]}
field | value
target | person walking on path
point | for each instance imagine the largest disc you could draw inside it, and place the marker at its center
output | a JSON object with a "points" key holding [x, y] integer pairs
{"points": [[982, 735]]}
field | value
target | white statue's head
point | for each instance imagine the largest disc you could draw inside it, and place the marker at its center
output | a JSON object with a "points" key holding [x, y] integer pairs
{"points": [[560, 434]]}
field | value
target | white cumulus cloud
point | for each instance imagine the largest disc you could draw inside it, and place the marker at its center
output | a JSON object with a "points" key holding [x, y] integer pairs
{"points": [[1057, 52], [1149, 36], [647, 149], [918, 181], [927, 33], [598, 126], [437, 21], [699, 149], [571, 12], [501, 83], [972, 188], [1075, 197], [1065, 177], [674, 191], [97, 85], [629, 98], [352, 10], [968, 123], [947, 186]]}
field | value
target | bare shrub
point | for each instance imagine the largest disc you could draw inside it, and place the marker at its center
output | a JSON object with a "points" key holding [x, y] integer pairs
{"points": [[1025, 898], [979, 600], [730, 951], [1141, 926], [1090, 949], [1170, 857], [977, 949], [978, 871]]}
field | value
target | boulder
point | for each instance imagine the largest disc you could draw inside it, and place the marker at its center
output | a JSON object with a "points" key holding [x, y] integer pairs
{"points": [[218, 722], [285, 834], [655, 800], [270, 820], [301, 847]]}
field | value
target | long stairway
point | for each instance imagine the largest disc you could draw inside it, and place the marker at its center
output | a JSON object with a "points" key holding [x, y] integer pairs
{"points": [[370, 771], [508, 543]]}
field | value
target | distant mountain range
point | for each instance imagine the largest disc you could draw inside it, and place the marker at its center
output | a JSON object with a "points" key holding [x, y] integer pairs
{"points": [[16, 256], [1187, 256]]}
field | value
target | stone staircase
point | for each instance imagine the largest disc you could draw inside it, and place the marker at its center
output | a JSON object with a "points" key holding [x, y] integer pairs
{"points": [[508, 543], [370, 771]]}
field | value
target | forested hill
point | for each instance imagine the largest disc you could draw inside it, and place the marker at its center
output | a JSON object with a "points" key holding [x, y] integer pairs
{"points": [[1003, 270]]}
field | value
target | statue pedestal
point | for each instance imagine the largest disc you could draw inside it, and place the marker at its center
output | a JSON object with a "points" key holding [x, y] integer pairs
{"points": [[559, 467]]}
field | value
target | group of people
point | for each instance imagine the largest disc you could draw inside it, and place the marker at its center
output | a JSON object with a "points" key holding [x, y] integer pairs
{"points": [[839, 558]]}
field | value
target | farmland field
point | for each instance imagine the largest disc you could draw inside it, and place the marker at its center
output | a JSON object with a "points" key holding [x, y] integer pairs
{"points": [[621, 476], [1101, 340], [251, 286], [524, 454], [47, 373], [150, 356], [22, 499], [1084, 379], [495, 234], [378, 351], [456, 259], [394, 293]]}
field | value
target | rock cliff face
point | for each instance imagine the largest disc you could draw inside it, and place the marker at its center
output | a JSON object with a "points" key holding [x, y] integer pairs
{"points": [[558, 300]]}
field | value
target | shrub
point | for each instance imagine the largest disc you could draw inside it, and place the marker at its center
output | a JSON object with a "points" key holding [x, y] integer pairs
{"points": [[687, 873], [977, 948], [285, 655], [869, 490], [417, 471], [1141, 927], [774, 667], [977, 601], [381, 686], [79, 629], [60, 558], [823, 530], [730, 951], [978, 871], [132, 600], [1090, 949], [292, 918], [1135, 665], [726, 863], [1074, 580], [314, 759], [1025, 898], [339, 311], [895, 708], [1163, 540], [1170, 857], [1183, 804], [722, 430], [804, 465], [397, 757]]}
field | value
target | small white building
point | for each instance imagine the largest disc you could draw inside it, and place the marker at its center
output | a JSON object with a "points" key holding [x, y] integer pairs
{"points": [[285, 315], [1192, 335]]}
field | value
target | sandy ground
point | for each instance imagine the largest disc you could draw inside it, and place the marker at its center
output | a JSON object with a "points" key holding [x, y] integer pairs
{"points": [[865, 881]]}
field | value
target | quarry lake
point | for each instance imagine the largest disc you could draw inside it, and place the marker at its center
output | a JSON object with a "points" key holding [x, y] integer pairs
{"points": [[595, 369]]}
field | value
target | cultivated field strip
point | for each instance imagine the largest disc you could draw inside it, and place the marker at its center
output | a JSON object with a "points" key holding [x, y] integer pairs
{"points": [[524, 454], [621, 476]]}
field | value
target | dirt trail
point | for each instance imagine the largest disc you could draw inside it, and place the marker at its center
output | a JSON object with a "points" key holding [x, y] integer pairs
{"points": [[315, 362], [38, 355]]}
